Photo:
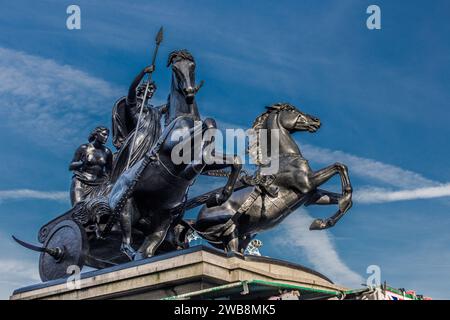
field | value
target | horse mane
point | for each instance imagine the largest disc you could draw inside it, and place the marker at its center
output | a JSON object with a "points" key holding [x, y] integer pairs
{"points": [[254, 149], [183, 53]]}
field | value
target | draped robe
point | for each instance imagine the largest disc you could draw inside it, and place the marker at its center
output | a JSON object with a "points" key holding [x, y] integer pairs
{"points": [[124, 121]]}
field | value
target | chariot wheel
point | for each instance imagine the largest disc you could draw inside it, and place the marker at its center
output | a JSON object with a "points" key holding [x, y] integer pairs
{"points": [[66, 248]]}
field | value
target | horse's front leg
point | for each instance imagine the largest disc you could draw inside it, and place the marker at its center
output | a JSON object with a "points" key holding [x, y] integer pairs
{"points": [[323, 175], [213, 160], [323, 197], [344, 200], [198, 151], [225, 161], [320, 177]]}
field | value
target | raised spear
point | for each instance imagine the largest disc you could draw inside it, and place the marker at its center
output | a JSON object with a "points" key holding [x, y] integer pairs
{"points": [[158, 40]]}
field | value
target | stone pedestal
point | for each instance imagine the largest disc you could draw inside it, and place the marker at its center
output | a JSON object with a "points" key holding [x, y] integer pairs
{"points": [[180, 274]]}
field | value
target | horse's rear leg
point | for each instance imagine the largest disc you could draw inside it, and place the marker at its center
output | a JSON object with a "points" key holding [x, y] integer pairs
{"points": [[127, 218], [154, 239], [232, 245], [231, 242]]}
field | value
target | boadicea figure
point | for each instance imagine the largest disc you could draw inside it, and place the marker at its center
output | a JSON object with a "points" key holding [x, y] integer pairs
{"points": [[91, 165], [125, 119]]}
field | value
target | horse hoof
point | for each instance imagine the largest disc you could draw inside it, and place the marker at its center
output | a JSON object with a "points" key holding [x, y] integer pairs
{"points": [[138, 256], [128, 251], [318, 224]]}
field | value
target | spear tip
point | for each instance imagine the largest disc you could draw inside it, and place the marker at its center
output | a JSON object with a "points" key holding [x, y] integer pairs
{"points": [[159, 36]]}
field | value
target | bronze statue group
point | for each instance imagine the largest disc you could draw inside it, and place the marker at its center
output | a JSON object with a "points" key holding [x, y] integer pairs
{"points": [[130, 204]]}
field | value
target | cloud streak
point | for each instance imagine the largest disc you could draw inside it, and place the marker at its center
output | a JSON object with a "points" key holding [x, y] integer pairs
{"points": [[368, 168], [33, 194], [368, 195], [318, 248], [380, 195]]}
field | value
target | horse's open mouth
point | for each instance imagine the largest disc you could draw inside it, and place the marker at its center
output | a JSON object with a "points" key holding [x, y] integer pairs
{"points": [[314, 128]]}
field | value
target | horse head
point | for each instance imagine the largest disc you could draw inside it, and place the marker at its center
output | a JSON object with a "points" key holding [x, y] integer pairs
{"points": [[295, 120], [183, 67], [285, 119]]}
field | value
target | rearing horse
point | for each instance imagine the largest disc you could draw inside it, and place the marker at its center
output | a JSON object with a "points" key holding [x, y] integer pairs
{"points": [[232, 225], [157, 184]]}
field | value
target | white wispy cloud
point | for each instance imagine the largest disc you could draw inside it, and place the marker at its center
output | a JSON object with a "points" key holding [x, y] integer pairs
{"points": [[22, 271], [318, 248], [16, 273], [34, 194], [368, 168], [414, 186], [16, 269], [379, 195], [49, 102]]}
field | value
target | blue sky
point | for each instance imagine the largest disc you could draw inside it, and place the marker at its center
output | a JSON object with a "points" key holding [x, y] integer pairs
{"points": [[383, 98]]}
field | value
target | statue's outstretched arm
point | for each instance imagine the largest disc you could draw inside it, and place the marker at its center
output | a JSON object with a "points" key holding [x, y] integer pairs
{"points": [[78, 158], [131, 98]]}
